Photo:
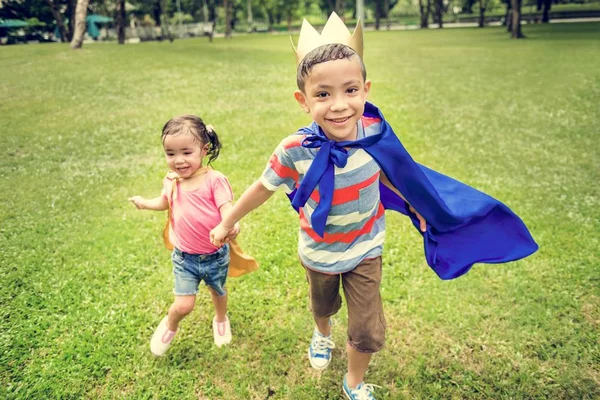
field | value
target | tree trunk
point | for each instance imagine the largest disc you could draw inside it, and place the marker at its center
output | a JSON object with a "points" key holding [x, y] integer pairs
{"points": [[250, 22], [546, 14], [157, 12], [64, 34], [481, 14], [271, 20], [227, 6], [516, 20], [80, 15], [439, 12], [71, 6], [386, 8], [121, 22], [212, 17], [508, 17], [378, 13], [424, 13], [339, 8]]}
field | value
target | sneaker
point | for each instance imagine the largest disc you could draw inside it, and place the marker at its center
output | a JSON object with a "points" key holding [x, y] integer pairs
{"points": [[319, 351], [221, 332], [362, 392], [162, 338]]}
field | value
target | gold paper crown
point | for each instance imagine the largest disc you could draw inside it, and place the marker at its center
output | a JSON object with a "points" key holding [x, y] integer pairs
{"points": [[334, 31]]}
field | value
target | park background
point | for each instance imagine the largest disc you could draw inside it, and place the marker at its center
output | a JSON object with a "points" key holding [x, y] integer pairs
{"points": [[85, 278]]}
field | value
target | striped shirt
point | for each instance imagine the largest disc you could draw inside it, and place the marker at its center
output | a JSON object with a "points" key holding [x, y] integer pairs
{"points": [[355, 227]]}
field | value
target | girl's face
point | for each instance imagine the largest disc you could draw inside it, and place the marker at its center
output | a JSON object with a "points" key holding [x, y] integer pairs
{"points": [[184, 154]]}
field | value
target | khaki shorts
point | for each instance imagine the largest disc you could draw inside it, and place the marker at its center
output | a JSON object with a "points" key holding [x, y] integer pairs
{"points": [[366, 322]]}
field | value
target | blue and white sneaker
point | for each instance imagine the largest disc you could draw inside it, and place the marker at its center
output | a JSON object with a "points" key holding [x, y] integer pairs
{"points": [[319, 351], [362, 392]]}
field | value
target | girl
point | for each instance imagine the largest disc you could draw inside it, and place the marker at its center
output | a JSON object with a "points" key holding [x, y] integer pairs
{"points": [[199, 198]]}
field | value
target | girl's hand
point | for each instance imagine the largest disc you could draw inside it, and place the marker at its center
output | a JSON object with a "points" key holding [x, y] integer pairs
{"points": [[422, 222], [219, 234], [139, 202]]}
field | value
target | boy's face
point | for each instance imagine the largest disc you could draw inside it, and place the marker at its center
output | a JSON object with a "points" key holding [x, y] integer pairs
{"points": [[335, 96]]}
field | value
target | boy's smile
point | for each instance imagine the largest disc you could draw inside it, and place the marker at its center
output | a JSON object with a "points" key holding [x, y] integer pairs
{"points": [[335, 96]]}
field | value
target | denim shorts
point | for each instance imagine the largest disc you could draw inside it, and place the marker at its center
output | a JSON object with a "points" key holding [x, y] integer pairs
{"points": [[190, 269]]}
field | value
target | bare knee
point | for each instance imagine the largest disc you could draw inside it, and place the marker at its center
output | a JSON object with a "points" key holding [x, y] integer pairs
{"points": [[183, 306]]}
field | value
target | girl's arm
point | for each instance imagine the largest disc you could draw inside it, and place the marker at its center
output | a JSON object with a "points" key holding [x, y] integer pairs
{"points": [[384, 179], [156, 204], [252, 198]]}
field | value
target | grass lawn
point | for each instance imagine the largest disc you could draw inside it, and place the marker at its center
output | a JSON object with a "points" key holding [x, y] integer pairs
{"points": [[85, 278]]}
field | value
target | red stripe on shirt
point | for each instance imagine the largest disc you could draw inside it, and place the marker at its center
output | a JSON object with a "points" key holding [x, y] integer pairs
{"points": [[368, 121], [343, 237], [281, 170], [349, 193], [292, 141]]}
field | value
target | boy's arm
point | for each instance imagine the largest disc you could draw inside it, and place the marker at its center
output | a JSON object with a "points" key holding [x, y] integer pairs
{"points": [[156, 204], [252, 198], [384, 179], [225, 210]]}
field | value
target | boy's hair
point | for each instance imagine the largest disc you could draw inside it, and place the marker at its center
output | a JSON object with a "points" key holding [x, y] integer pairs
{"points": [[194, 126], [327, 52]]}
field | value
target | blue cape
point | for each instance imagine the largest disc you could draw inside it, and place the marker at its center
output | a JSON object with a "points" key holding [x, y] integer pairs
{"points": [[464, 225]]}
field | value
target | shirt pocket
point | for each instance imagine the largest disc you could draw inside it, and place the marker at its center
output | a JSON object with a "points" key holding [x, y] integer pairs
{"points": [[368, 197]]}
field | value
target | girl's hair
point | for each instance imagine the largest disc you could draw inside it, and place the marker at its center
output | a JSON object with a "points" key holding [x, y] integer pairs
{"points": [[193, 125]]}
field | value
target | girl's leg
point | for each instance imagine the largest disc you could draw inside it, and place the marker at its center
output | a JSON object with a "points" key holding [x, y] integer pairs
{"points": [[220, 303], [181, 307], [221, 327]]}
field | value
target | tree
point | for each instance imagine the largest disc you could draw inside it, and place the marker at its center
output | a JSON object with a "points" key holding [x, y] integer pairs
{"points": [[382, 9], [483, 5], [516, 20], [227, 6], [547, 5], [440, 9], [290, 8], [80, 16], [64, 33], [121, 21], [51, 13], [424, 10]]}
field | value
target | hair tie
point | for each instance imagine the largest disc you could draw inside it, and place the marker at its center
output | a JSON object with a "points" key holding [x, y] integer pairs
{"points": [[210, 128]]}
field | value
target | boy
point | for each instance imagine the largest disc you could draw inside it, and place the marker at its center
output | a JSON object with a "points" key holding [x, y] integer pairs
{"points": [[332, 171], [333, 90]]}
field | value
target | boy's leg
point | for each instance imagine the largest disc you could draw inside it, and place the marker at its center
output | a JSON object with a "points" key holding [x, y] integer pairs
{"points": [[325, 301], [366, 322], [324, 296], [357, 365]]}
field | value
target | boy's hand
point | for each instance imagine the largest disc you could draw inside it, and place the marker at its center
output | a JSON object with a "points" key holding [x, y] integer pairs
{"points": [[232, 234], [139, 202], [422, 222], [219, 234]]}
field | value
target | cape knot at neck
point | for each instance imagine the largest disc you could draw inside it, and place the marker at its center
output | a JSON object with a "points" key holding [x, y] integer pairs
{"points": [[337, 154]]}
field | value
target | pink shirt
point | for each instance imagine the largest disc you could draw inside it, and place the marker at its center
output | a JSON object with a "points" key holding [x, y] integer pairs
{"points": [[196, 212]]}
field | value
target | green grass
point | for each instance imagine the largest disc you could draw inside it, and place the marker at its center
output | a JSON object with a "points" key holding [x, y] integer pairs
{"points": [[85, 280]]}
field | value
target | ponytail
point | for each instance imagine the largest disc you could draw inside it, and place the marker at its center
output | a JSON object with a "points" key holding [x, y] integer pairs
{"points": [[215, 144]]}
